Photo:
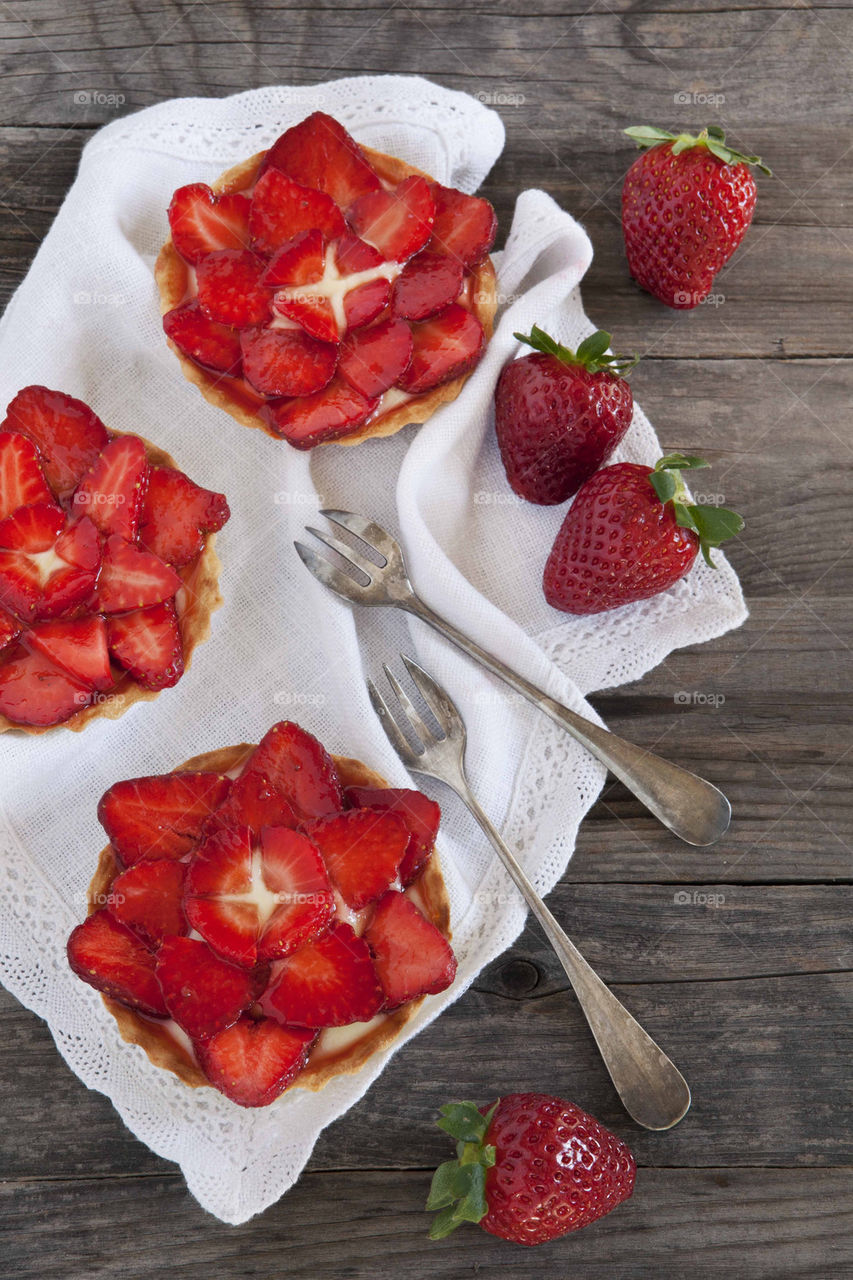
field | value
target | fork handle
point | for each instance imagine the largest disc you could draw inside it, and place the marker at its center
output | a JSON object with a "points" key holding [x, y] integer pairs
{"points": [[693, 809], [652, 1089]]}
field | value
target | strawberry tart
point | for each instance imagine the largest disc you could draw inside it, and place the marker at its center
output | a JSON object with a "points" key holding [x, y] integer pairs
{"points": [[325, 292], [265, 916], [108, 574]]}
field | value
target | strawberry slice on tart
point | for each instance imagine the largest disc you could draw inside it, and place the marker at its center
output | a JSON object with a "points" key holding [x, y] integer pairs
{"points": [[107, 568], [340, 237], [265, 902]]}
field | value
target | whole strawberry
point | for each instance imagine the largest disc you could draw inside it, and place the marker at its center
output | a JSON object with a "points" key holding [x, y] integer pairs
{"points": [[630, 533], [529, 1169], [559, 414], [686, 205]]}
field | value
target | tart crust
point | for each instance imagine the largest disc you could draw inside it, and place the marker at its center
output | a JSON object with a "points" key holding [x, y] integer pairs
{"points": [[201, 598], [240, 400], [167, 1052]]}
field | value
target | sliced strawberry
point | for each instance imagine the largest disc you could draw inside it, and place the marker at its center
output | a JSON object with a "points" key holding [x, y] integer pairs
{"points": [[176, 515], [22, 481], [327, 983], [202, 992], [78, 646], [465, 226], [336, 411], [420, 814], [253, 1061], [254, 903], [427, 284], [67, 589], [148, 899], [300, 768], [313, 312], [411, 956], [398, 223], [252, 802], [27, 541], [132, 578], [202, 222], [34, 691], [111, 492], [300, 260], [159, 816], [287, 362], [107, 955], [362, 850], [352, 256], [366, 301], [373, 359], [229, 288], [10, 629], [281, 209], [319, 153], [213, 346], [148, 644], [68, 434], [445, 347]]}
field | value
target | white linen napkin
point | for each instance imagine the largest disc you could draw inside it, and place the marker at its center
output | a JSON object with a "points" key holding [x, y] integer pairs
{"points": [[86, 320]]}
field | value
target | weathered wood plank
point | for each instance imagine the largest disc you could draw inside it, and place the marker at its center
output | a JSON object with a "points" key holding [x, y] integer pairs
{"points": [[766, 1059], [720, 1223]]}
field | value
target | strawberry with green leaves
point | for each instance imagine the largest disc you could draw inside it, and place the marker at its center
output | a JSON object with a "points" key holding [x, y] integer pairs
{"points": [[559, 414], [687, 202], [632, 532], [529, 1168]]}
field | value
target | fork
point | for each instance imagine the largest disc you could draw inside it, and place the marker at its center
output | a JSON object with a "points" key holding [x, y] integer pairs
{"points": [[652, 1089], [692, 808]]}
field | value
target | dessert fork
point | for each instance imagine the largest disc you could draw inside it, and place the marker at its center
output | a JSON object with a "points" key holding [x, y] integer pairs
{"points": [[692, 808], [652, 1089]]}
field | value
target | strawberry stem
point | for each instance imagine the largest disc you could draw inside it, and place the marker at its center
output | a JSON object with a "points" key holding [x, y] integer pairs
{"points": [[713, 137], [712, 525], [458, 1188], [592, 353]]}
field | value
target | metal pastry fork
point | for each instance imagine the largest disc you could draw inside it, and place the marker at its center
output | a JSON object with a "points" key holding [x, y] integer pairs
{"points": [[652, 1089], [692, 808]]}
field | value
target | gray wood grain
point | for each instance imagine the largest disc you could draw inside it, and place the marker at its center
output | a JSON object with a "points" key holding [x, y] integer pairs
{"points": [[750, 993]]}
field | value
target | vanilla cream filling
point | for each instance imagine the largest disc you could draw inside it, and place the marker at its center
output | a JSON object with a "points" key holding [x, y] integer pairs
{"points": [[46, 563], [333, 287]]}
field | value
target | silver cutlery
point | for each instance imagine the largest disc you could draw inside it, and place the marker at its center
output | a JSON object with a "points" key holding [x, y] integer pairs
{"points": [[652, 1089], [692, 808]]}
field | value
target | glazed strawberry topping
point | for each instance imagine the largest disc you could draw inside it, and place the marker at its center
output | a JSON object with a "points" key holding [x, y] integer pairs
{"points": [[203, 993], [109, 956], [253, 1061], [327, 983], [420, 814], [333, 249], [160, 816], [22, 482], [363, 850], [68, 434], [286, 892], [211, 345], [202, 223], [147, 643], [411, 956], [91, 538]]}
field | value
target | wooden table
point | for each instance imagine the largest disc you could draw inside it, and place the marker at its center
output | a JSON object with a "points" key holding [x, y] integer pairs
{"points": [[737, 959]]}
